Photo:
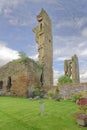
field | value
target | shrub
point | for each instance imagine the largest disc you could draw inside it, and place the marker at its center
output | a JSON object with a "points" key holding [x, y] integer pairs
{"points": [[64, 80], [81, 116], [22, 54], [82, 105], [83, 93], [50, 93], [36, 92], [57, 90], [56, 95], [76, 96]]}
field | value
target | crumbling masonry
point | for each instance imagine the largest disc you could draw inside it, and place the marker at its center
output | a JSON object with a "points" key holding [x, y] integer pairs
{"points": [[20, 77], [71, 68], [44, 39]]}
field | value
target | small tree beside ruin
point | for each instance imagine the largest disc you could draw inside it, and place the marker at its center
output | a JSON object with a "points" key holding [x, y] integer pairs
{"points": [[64, 80], [22, 54]]}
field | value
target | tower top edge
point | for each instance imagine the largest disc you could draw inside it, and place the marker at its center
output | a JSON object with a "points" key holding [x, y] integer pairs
{"points": [[42, 14]]}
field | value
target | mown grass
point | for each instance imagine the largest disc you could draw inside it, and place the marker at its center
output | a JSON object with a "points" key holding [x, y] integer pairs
{"points": [[24, 114]]}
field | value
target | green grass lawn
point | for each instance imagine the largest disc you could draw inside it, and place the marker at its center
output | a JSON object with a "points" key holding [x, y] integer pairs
{"points": [[24, 114]]}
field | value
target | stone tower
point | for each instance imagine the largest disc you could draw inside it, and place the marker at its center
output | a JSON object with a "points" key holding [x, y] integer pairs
{"points": [[75, 69], [71, 68], [44, 39]]}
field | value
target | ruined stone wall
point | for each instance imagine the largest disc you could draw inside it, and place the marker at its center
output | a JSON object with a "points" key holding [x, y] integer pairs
{"points": [[66, 91], [71, 68], [16, 71], [23, 75]]}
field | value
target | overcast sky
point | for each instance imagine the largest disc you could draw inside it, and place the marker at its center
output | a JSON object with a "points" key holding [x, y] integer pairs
{"points": [[69, 27]]}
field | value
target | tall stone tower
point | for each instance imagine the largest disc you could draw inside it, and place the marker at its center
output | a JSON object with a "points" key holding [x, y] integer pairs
{"points": [[44, 39]]}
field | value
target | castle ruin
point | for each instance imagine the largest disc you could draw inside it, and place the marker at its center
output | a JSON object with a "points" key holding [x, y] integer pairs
{"points": [[44, 39], [71, 68], [20, 77]]}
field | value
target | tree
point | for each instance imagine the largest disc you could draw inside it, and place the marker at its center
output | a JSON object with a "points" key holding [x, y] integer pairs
{"points": [[64, 80], [23, 57], [22, 54]]}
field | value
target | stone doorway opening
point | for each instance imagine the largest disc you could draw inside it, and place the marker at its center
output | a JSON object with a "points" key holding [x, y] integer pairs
{"points": [[9, 84]]}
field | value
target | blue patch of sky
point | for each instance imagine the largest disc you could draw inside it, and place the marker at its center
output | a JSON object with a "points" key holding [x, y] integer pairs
{"points": [[67, 31], [58, 65]]}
